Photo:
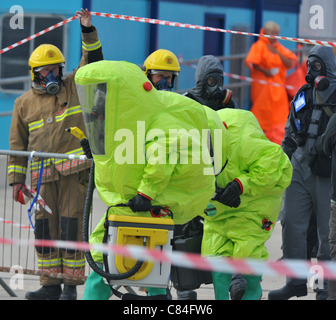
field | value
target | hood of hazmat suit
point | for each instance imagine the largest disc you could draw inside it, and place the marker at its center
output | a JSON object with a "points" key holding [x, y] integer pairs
{"points": [[144, 140], [326, 57], [208, 66], [265, 172]]}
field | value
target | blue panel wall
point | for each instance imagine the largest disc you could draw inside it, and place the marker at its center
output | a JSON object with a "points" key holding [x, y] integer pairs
{"points": [[123, 40], [188, 43]]}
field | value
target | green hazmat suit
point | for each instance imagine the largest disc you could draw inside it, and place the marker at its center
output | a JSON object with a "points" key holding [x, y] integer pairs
{"points": [[264, 171], [153, 143]]}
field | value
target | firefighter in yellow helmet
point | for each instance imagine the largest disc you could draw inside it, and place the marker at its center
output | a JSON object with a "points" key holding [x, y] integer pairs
{"points": [[46, 64], [40, 117], [161, 68]]}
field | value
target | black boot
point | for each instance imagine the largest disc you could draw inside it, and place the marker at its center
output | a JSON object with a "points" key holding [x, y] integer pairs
{"points": [[332, 290], [237, 287], [288, 291], [186, 295], [69, 293], [45, 293]]}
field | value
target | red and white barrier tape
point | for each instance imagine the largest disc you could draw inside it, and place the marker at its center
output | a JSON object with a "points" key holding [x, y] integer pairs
{"points": [[14, 45], [26, 193], [171, 24], [290, 268], [249, 79], [15, 224], [198, 27], [236, 76]]}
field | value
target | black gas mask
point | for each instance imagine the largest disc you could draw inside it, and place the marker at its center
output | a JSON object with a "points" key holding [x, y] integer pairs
{"points": [[213, 86], [316, 73], [213, 91]]}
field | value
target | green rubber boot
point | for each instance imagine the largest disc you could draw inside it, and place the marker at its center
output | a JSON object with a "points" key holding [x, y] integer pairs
{"points": [[253, 289], [156, 291], [96, 288], [221, 282]]}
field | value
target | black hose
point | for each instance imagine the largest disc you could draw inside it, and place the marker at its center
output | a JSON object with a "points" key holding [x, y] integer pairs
{"points": [[85, 234]]}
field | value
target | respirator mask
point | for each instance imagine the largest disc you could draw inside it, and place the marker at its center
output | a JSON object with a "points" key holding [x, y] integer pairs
{"points": [[213, 91], [316, 74], [163, 85], [50, 83], [213, 86]]}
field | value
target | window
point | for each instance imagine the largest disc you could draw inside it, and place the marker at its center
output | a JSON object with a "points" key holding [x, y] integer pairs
{"points": [[14, 63]]}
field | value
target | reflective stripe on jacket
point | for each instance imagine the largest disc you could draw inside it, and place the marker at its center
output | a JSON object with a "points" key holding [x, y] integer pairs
{"points": [[39, 121]]}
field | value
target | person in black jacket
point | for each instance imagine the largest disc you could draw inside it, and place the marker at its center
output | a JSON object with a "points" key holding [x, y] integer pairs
{"points": [[309, 192]]}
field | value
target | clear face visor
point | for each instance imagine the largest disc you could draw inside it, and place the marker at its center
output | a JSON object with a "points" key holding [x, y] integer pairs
{"points": [[38, 69], [92, 98], [153, 71]]}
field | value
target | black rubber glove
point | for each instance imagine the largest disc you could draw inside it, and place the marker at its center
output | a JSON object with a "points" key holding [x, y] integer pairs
{"points": [[86, 148], [230, 195], [139, 203]]}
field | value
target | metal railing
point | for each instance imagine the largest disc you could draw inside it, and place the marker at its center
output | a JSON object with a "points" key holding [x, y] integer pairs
{"points": [[15, 223]]}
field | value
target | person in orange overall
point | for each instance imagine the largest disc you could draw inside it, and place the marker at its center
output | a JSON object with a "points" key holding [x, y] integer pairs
{"points": [[268, 60]]}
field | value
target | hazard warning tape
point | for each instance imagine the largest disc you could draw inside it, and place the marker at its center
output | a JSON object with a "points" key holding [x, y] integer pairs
{"points": [[14, 45], [15, 224], [249, 79], [198, 27], [171, 24], [290, 268], [236, 76]]}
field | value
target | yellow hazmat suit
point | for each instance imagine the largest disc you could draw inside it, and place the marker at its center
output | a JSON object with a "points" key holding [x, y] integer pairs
{"points": [[264, 172], [152, 142]]}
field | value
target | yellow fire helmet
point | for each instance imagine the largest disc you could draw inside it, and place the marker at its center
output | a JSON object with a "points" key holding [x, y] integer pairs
{"points": [[43, 55], [162, 59]]}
